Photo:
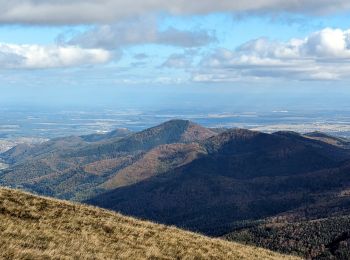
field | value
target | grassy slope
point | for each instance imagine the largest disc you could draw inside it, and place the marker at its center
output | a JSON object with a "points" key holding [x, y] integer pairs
{"points": [[34, 227]]}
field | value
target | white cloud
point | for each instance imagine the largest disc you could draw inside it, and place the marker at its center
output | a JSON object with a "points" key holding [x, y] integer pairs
{"points": [[106, 11], [323, 55], [14, 56], [328, 43]]}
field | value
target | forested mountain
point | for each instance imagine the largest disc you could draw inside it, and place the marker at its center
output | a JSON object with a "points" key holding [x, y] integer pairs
{"points": [[79, 167], [245, 175], [326, 238]]}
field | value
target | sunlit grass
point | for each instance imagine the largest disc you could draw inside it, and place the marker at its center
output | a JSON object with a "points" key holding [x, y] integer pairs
{"points": [[33, 227]]}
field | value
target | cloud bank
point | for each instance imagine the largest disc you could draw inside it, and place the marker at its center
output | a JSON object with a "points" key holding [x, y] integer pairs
{"points": [[13, 56], [323, 55], [107, 11]]}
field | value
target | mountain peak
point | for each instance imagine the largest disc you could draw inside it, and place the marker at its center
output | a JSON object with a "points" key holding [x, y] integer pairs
{"points": [[178, 121], [178, 131], [172, 125]]}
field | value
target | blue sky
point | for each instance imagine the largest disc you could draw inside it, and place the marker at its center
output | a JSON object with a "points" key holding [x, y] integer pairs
{"points": [[162, 53]]}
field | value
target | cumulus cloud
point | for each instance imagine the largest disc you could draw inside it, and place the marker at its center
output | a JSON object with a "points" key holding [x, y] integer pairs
{"points": [[139, 31], [106, 11], [323, 55], [13, 56]]}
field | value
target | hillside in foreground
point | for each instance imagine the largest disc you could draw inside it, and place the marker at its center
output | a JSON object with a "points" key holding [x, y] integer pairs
{"points": [[34, 227]]}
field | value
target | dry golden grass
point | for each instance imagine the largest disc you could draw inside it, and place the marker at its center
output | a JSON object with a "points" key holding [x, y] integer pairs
{"points": [[33, 227]]}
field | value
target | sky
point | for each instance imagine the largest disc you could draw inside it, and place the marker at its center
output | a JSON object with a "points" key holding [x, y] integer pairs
{"points": [[165, 54]]}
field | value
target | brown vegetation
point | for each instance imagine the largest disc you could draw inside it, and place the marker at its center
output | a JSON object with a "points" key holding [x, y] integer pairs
{"points": [[100, 167], [34, 227]]}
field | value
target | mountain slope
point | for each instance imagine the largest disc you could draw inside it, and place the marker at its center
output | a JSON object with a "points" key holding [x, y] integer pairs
{"points": [[38, 228], [157, 161], [246, 175], [173, 131], [25, 152]]}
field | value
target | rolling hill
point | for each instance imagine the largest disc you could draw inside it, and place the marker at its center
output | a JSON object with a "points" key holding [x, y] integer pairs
{"points": [[25, 152], [34, 227], [78, 167]]}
